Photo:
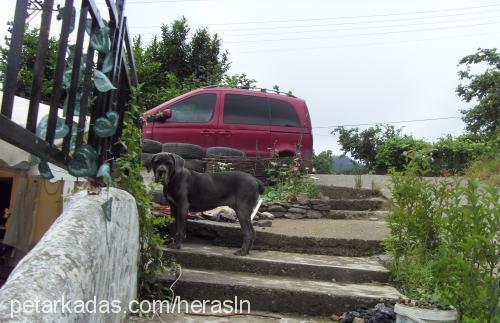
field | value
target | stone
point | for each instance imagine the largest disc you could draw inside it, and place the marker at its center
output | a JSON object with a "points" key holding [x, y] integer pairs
{"points": [[321, 207], [303, 199], [276, 208], [373, 219], [221, 214], [266, 216], [316, 201], [335, 317], [298, 206], [227, 218], [278, 214], [295, 216], [284, 204], [312, 214], [263, 224], [358, 320], [297, 210]]}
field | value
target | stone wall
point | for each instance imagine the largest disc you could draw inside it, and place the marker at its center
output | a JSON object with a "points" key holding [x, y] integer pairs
{"points": [[331, 201], [83, 257]]}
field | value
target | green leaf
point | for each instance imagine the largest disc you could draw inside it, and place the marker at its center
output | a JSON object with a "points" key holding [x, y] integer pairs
{"points": [[107, 207], [102, 83], [60, 15], [106, 126], [77, 104], [61, 128], [104, 172], [107, 65], [100, 40], [67, 77], [88, 26], [44, 169], [84, 162]]}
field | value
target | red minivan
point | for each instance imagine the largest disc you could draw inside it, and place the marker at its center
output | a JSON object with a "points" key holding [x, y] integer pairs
{"points": [[256, 122]]}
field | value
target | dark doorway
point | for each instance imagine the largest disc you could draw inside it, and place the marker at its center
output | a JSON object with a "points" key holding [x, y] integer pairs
{"points": [[5, 195]]}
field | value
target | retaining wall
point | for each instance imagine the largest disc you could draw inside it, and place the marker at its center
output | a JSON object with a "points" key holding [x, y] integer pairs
{"points": [[82, 258]]}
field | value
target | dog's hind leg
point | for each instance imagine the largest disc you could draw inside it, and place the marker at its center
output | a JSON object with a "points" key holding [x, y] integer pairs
{"points": [[243, 212]]}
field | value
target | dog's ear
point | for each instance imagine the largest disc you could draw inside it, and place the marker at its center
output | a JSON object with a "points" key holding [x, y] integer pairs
{"points": [[149, 163], [178, 161]]}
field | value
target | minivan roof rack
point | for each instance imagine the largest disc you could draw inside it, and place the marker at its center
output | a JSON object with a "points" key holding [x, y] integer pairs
{"points": [[264, 90]]}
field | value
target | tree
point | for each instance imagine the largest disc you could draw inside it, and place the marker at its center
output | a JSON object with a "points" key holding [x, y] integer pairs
{"points": [[484, 118], [173, 64], [364, 145], [28, 56], [238, 80], [323, 162]]}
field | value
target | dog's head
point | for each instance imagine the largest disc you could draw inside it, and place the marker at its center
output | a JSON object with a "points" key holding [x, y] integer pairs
{"points": [[164, 166]]}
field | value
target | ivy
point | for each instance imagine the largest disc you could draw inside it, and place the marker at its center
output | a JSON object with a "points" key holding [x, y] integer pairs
{"points": [[128, 177]]}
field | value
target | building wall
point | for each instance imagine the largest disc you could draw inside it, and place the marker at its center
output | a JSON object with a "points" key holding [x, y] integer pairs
{"points": [[82, 258]]}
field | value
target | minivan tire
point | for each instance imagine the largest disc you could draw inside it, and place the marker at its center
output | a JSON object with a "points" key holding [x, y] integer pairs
{"points": [[146, 158], [224, 152], [186, 151], [151, 146], [195, 164]]}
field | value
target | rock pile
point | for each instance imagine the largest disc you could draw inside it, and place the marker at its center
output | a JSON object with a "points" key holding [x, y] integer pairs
{"points": [[381, 313], [300, 209]]}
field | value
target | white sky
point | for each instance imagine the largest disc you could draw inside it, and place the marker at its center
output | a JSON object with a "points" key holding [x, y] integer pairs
{"points": [[354, 62]]}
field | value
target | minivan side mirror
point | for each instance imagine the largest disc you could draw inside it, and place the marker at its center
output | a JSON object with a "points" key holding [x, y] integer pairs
{"points": [[166, 114], [160, 116]]}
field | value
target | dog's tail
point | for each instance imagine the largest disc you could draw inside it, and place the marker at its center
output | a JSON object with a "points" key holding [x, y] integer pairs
{"points": [[261, 186]]}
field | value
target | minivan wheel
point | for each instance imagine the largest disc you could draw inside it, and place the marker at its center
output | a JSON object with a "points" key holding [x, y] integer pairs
{"points": [[195, 164], [146, 158], [224, 152], [186, 151], [151, 146]]}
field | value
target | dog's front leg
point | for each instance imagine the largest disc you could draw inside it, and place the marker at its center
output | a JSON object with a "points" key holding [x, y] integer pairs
{"points": [[181, 213]]}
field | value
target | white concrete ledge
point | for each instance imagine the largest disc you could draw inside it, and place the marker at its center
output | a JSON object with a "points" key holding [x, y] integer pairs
{"points": [[82, 258]]}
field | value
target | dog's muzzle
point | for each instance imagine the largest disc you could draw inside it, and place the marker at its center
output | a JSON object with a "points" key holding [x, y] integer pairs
{"points": [[161, 174]]}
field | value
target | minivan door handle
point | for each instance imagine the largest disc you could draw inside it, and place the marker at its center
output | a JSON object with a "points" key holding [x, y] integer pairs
{"points": [[226, 133], [207, 132]]}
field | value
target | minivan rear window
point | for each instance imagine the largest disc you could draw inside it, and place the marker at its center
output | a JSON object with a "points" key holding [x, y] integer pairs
{"points": [[196, 109], [245, 109], [283, 114]]}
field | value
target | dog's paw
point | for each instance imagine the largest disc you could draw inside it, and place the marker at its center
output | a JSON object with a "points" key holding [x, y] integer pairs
{"points": [[174, 245], [240, 252]]}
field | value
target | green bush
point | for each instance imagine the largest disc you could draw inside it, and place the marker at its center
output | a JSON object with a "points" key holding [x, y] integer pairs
{"points": [[444, 241], [455, 154], [287, 181], [392, 153]]}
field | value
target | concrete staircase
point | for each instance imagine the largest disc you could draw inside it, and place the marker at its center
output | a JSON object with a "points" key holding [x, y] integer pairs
{"points": [[309, 266]]}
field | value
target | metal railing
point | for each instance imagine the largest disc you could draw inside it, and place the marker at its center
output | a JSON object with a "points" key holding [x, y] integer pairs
{"points": [[93, 103]]}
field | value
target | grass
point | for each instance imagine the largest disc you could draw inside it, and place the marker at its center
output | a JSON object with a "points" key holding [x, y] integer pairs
{"points": [[486, 169]]}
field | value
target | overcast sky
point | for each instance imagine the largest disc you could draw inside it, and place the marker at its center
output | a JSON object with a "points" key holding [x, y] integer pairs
{"points": [[354, 62]]}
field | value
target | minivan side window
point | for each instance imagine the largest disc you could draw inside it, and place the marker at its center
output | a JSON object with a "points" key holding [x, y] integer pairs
{"points": [[195, 109], [283, 114], [245, 109]]}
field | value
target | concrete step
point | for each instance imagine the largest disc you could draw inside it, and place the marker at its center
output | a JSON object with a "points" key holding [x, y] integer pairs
{"points": [[352, 238], [356, 215], [317, 267], [370, 204], [277, 294]]}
